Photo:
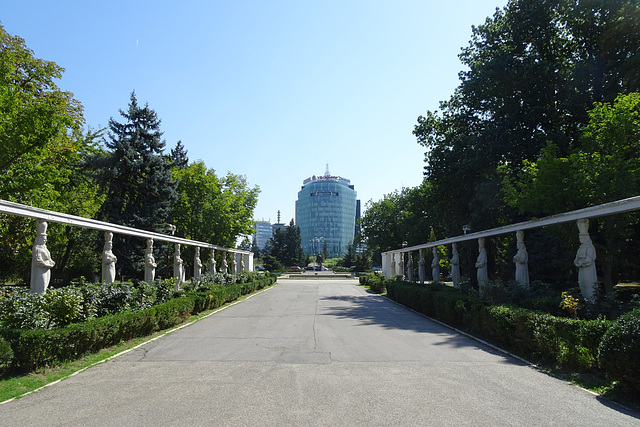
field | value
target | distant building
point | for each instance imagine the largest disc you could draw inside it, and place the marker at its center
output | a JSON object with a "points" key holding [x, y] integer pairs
{"points": [[264, 231], [326, 213]]}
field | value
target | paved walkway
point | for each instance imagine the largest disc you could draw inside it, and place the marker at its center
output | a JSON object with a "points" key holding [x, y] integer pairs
{"points": [[313, 353]]}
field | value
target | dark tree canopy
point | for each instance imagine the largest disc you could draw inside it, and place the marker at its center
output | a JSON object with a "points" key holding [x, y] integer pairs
{"points": [[136, 179]]}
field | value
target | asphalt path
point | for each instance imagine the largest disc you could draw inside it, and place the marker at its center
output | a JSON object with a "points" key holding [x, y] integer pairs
{"points": [[314, 353]]}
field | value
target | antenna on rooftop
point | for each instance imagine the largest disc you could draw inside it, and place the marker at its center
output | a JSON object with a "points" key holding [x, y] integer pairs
{"points": [[278, 216], [326, 172]]}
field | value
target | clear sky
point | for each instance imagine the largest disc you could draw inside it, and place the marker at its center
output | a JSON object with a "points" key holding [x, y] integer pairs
{"points": [[272, 90]]}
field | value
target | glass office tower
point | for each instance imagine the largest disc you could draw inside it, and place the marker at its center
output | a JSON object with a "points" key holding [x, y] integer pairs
{"points": [[326, 212]]}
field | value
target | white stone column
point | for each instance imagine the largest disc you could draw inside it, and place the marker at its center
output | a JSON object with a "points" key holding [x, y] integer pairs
{"points": [[41, 262], [249, 262], [224, 266], [481, 264], [521, 259], [197, 265], [421, 270], [586, 263], [435, 266], [393, 266], [108, 259], [149, 263], [401, 266], [178, 267], [234, 264], [455, 265], [212, 262]]}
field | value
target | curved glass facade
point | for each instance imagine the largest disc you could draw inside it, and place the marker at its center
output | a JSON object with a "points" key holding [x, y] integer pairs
{"points": [[326, 212]]}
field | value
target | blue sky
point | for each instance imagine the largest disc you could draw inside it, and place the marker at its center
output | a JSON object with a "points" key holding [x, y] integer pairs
{"points": [[272, 90]]}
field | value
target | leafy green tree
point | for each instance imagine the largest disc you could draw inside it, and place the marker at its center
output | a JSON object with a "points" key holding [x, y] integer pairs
{"points": [[136, 180], [212, 209], [605, 167], [43, 144], [534, 70], [34, 110]]}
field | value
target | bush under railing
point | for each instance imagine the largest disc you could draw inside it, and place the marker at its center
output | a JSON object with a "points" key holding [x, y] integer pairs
{"points": [[606, 346], [29, 349]]}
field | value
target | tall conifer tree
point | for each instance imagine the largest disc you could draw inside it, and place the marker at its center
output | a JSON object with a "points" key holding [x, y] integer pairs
{"points": [[136, 179]]}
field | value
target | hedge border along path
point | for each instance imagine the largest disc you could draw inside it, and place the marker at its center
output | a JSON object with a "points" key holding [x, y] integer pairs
{"points": [[161, 334]]}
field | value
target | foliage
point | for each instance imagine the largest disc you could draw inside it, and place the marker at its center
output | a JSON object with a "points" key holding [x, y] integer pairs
{"points": [[375, 282], [619, 350], [37, 347], [211, 208], [34, 110], [285, 247], [135, 178], [6, 354], [570, 304]]}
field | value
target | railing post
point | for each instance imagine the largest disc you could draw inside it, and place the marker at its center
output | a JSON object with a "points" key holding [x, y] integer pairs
{"points": [[197, 265], [435, 265], [393, 266], [455, 265], [108, 259], [178, 267], [481, 265], [223, 268], [149, 263], [234, 268], [41, 262], [586, 262], [521, 259], [212, 262], [421, 271]]}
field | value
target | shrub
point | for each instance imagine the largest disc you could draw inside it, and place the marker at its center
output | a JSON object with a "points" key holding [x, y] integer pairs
{"points": [[6, 354], [619, 350]]}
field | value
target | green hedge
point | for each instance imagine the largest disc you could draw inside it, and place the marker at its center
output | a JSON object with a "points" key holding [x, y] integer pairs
{"points": [[35, 348], [610, 346]]}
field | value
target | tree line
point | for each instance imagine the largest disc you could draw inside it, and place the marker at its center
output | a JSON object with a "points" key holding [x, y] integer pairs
{"points": [[122, 174], [546, 119]]}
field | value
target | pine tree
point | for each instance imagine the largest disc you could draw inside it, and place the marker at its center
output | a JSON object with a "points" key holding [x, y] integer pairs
{"points": [[136, 179]]}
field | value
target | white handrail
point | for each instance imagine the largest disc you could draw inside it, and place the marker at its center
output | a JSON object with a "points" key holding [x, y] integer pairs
{"points": [[78, 221], [611, 208]]}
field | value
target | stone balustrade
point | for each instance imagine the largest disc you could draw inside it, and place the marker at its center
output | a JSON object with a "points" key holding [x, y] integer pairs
{"points": [[42, 263], [393, 262]]}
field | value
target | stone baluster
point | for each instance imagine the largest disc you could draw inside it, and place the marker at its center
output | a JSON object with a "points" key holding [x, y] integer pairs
{"points": [[197, 265], [435, 266], [481, 265], [178, 267], [41, 262], [212, 262], [223, 268], [521, 259], [149, 263], [393, 266], [455, 265], [421, 271], [586, 263], [108, 259], [233, 263]]}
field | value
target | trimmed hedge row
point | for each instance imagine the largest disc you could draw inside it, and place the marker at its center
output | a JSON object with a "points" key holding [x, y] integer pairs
{"points": [[35, 348], [611, 346]]}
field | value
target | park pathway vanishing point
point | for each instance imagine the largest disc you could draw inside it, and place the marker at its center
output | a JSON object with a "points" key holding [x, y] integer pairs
{"points": [[311, 353]]}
